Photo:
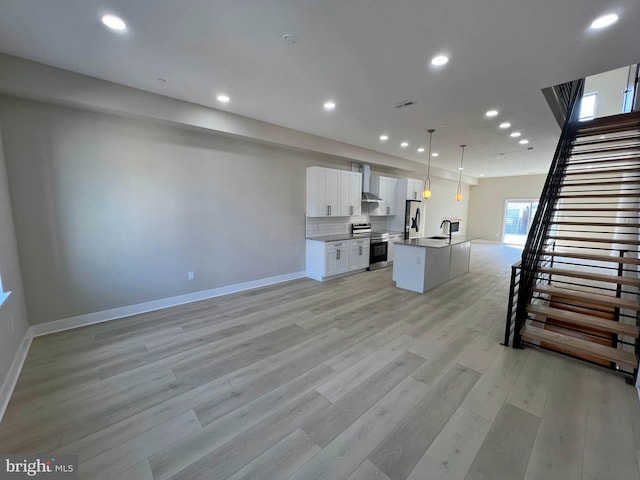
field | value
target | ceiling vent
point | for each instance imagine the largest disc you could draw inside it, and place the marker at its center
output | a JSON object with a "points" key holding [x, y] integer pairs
{"points": [[407, 103]]}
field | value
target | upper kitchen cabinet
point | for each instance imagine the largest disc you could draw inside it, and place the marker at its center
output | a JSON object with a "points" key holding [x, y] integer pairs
{"points": [[332, 192], [350, 193], [385, 188], [414, 189]]}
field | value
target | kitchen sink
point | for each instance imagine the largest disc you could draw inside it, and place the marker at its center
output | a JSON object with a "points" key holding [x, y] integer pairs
{"points": [[438, 238]]}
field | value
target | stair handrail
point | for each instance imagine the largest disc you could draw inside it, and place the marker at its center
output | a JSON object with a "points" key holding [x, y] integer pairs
{"points": [[535, 244]]}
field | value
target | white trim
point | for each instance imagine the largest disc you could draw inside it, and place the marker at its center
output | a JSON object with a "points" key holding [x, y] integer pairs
{"points": [[115, 313], [14, 372]]}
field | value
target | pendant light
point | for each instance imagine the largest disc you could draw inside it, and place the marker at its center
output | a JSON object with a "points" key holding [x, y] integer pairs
{"points": [[426, 193], [459, 192]]}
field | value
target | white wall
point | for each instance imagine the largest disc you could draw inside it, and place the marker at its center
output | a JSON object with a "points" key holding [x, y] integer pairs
{"points": [[609, 86], [443, 205], [486, 206], [13, 314]]}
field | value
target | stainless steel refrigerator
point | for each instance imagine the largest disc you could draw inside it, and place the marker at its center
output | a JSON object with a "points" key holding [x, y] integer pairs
{"points": [[413, 219]]}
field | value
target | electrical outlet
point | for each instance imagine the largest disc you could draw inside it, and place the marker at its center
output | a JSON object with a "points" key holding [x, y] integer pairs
{"points": [[191, 276]]}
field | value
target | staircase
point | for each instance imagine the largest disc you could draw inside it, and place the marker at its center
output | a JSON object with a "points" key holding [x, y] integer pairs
{"points": [[576, 289]]}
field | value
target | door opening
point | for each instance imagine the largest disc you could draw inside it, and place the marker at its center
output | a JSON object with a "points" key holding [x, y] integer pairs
{"points": [[518, 215]]}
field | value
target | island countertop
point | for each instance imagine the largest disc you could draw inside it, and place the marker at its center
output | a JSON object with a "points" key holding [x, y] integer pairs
{"points": [[434, 242]]}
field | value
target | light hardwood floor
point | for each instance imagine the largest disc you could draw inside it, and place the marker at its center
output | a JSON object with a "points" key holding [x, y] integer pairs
{"points": [[348, 379]]}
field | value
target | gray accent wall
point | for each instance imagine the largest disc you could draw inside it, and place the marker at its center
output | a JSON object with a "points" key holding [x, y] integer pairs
{"points": [[13, 314], [111, 212]]}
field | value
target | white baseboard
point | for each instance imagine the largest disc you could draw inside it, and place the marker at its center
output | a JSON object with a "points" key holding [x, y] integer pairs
{"points": [[14, 372], [116, 313]]}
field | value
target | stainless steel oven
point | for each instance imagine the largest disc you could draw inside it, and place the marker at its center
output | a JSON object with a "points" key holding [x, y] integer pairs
{"points": [[378, 250], [379, 244]]}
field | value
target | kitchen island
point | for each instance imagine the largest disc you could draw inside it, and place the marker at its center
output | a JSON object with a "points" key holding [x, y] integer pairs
{"points": [[421, 264]]}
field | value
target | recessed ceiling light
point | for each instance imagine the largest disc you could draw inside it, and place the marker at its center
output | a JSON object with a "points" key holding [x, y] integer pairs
{"points": [[330, 105], [404, 144], [439, 60], [114, 23], [435, 154], [505, 125], [460, 168], [222, 98], [515, 134], [482, 174], [524, 141], [491, 113], [384, 138], [604, 21], [421, 149]]}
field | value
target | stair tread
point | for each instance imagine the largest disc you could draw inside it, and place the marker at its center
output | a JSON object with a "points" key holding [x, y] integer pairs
{"points": [[606, 182], [580, 319], [597, 209], [597, 195], [630, 159], [601, 277], [592, 171], [608, 300], [621, 357], [593, 256], [596, 224], [594, 239], [592, 151]]}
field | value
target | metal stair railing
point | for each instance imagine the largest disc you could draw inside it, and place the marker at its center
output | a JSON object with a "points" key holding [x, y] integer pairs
{"points": [[535, 244]]}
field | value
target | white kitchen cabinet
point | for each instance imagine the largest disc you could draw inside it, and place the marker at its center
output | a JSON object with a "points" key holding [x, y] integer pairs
{"points": [[333, 193], [350, 193], [414, 189], [336, 258], [358, 254], [386, 189], [329, 259]]}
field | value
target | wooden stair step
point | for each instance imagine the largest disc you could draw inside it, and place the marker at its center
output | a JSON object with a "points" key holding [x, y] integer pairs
{"points": [[592, 171], [597, 224], [586, 321], [593, 240], [533, 334], [630, 120], [598, 209], [592, 256], [603, 141], [598, 195], [595, 151], [599, 183], [599, 277], [630, 160], [596, 298]]}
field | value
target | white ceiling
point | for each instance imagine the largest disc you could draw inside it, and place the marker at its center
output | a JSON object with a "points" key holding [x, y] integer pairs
{"points": [[367, 55]]}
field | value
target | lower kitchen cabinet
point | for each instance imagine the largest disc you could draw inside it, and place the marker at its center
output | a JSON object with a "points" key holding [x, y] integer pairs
{"points": [[329, 259], [358, 254]]}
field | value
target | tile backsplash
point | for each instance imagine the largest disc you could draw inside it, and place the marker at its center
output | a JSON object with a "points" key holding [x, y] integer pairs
{"points": [[337, 225]]}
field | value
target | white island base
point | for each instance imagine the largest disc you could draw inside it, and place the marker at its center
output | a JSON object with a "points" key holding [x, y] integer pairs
{"points": [[421, 264]]}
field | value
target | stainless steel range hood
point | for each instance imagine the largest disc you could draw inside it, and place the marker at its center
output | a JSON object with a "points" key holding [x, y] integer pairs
{"points": [[367, 196]]}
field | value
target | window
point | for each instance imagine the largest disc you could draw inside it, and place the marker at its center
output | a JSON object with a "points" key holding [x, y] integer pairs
{"points": [[3, 295], [588, 106], [518, 215]]}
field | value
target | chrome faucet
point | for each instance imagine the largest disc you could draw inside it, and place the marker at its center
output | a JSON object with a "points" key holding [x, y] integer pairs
{"points": [[449, 222]]}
